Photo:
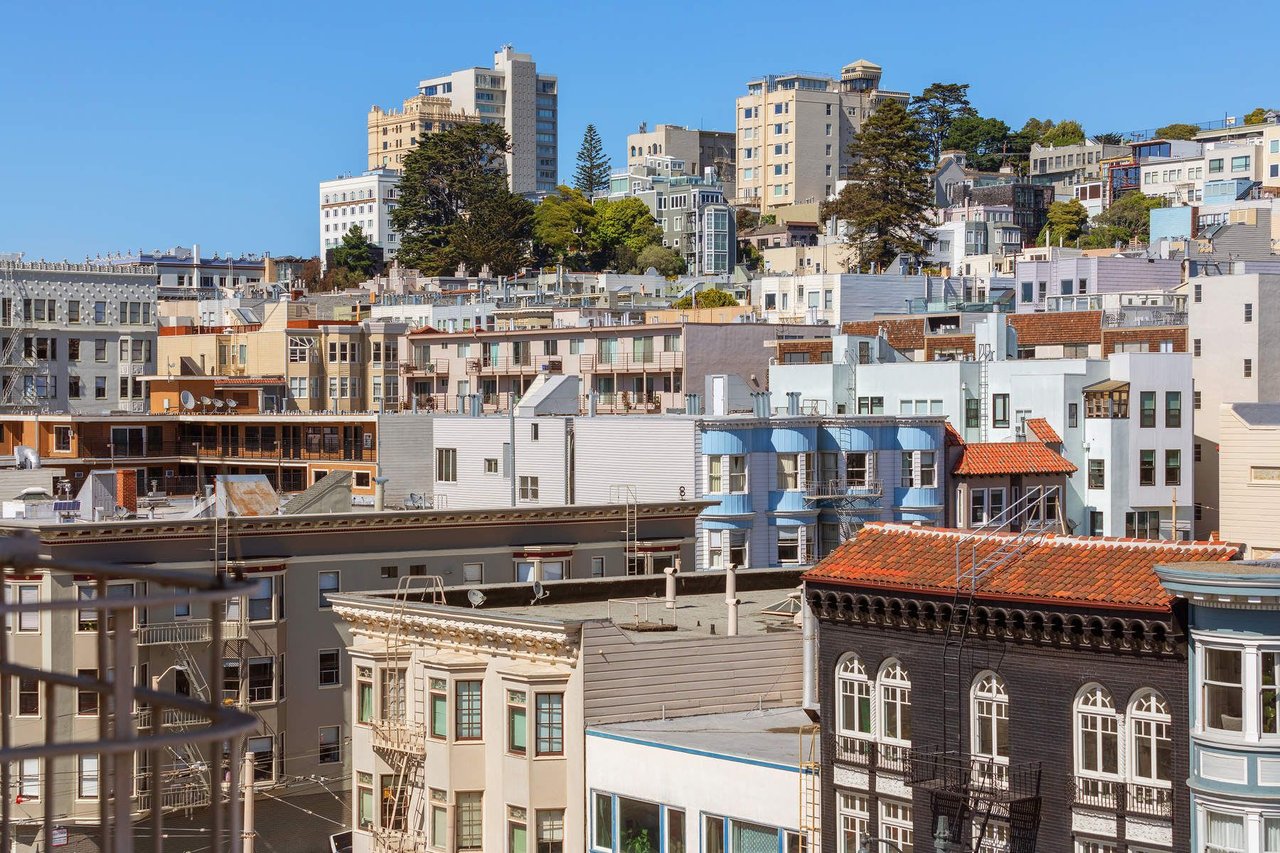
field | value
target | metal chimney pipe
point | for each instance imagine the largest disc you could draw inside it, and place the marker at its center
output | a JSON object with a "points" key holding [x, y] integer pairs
{"points": [[809, 640], [731, 600], [670, 572]]}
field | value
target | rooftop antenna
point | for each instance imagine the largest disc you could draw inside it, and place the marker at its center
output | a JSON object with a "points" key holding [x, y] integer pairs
{"points": [[476, 597], [539, 592]]}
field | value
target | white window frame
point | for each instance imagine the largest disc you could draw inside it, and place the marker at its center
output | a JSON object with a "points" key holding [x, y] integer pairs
{"points": [[989, 689]]}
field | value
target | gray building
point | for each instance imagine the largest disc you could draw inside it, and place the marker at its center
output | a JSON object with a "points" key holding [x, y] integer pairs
{"points": [[76, 337], [283, 654], [699, 149], [183, 272], [1065, 166]]}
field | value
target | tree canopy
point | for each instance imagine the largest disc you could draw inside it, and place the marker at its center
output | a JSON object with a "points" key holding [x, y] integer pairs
{"points": [[886, 201], [666, 261], [1131, 213], [1258, 115], [1065, 222], [937, 108], [711, 298], [564, 227], [623, 228], [354, 253], [1109, 138], [454, 205], [984, 141], [1178, 130], [1063, 133], [592, 173]]}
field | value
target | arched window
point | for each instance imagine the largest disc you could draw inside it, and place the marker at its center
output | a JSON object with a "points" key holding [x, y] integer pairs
{"points": [[990, 717], [853, 692], [1097, 733], [1152, 745], [895, 703]]}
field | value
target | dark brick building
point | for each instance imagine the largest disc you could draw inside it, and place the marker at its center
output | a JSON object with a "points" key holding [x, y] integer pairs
{"points": [[1046, 713]]}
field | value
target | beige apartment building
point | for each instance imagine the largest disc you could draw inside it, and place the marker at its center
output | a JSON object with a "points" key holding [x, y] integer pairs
{"points": [[469, 722], [394, 133], [325, 365], [794, 132], [698, 150], [640, 368], [282, 654]]}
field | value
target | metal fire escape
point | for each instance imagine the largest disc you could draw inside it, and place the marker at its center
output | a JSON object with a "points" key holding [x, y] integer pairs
{"points": [[974, 797], [399, 730], [16, 365]]}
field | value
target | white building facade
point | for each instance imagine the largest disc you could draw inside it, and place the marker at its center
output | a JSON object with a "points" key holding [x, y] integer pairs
{"points": [[364, 200]]}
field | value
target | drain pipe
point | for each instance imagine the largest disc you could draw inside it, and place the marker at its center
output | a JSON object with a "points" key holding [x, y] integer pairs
{"points": [[670, 572], [731, 600], [809, 639]]}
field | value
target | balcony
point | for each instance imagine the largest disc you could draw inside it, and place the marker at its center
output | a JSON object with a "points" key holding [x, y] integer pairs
{"points": [[144, 718], [1150, 800], [656, 362], [823, 489], [189, 795], [398, 840], [504, 365], [188, 631], [1095, 793], [1114, 795], [425, 367], [398, 736], [857, 751]]}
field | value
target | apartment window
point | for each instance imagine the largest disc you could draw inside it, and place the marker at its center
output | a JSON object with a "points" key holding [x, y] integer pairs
{"points": [[1097, 733], [1223, 689], [528, 488], [491, 465], [390, 571], [330, 668], [1147, 409], [1173, 467], [1142, 524], [991, 718], [364, 694], [446, 465], [1197, 292], [472, 573], [597, 567], [87, 698], [100, 388], [28, 594], [977, 507], [438, 700], [86, 617], [467, 710], [1215, 166], [1000, 410], [972, 412], [469, 821], [1146, 467], [1225, 833], [533, 432], [1097, 473], [788, 471], [1240, 164], [550, 829], [857, 468], [1152, 746], [330, 745], [788, 545], [87, 784], [1173, 409], [549, 718], [1195, 400], [517, 722], [28, 697], [230, 680], [1248, 312], [1073, 415], [1248, 368], [262, 599], [264, 757], [262, 679], [328, 583]]}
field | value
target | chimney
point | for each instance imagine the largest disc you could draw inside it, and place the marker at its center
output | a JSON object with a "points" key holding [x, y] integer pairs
{"points": [[127, 489], [731, 600], [793, 403], [670, 572]]}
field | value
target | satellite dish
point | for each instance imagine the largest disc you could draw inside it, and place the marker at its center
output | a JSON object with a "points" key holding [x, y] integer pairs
{"points": [[217, 403], [231, 404], [476, 597], [539, 592], [205, 401], [188, 400]]}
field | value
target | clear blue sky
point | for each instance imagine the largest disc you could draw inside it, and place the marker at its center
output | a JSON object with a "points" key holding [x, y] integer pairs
{"points": [[144, 125]]}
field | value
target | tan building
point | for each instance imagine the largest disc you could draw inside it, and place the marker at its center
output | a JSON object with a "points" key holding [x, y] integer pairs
{"points": [[283, 652], [697, 149], [394, 133], [794, 132], [326, 365], [1249, 477], [469, 721]]}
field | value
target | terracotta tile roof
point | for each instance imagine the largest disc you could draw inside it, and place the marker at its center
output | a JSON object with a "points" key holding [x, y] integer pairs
{"points": [[1081, 570], [1002, 458], [906, 333], [1041, 429], [1058, 327], [953, 436]]}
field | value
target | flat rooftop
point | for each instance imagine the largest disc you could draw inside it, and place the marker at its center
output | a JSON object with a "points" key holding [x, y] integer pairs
{"points": [[771, 736]]}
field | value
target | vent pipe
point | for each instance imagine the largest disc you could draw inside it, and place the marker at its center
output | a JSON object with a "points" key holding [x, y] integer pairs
{"points": [[731, 600], [592, 400], [793, 403], [670, 572], [809, 640]]}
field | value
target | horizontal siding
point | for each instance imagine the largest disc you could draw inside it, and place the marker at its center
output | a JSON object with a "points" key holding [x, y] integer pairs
{"points": [[625, 680], [655, 455]]}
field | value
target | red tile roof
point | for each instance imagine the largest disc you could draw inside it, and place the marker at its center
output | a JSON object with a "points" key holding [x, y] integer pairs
{"points": [[1041, 429], [953, 436], [1058, 327], [1080, 570], [903, 334], [1003, 458]]}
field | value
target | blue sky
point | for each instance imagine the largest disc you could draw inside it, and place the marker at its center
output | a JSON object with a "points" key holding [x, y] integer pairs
{"points": [[144, 125]]}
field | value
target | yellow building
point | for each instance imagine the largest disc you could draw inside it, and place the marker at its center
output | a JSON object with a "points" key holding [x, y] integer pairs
{"points": [[393, 133]]}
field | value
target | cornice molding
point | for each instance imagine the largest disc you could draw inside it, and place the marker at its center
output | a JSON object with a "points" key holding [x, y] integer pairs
{"points": [[459, 635]]}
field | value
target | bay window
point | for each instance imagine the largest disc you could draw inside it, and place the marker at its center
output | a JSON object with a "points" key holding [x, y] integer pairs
{"points": [[1222, 699]]}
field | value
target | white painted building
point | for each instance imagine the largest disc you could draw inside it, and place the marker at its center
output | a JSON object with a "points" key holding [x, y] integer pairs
{"points": [[1125, 420], [365, 200], [716, 782], [445, 316], [1181, 180], [843, 298]]}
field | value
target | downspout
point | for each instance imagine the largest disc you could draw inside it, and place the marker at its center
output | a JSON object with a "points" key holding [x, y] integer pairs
{"points": [[809, 635]]}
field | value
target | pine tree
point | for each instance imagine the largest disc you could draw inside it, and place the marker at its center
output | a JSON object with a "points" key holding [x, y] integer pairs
{"points": [[885, 204], [592, 174]]}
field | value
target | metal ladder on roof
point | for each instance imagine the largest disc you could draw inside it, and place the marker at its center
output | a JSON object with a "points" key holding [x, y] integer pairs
{"points": [[810, 789], [625, 494]]}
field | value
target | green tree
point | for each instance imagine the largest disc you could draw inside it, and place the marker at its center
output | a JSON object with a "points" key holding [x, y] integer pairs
{"points": [[984, 140], [455, 208], [592, 174], [354, 253], [1105, 236], [885, 205], [1131, 213], [937, 108], [711, 298], [1065, 222], [747, 219], [666, 261], [749, 256], [1258, 115], [1063, 133], [563, 227], [1178, 130], [1109, 138], [622, 228]]}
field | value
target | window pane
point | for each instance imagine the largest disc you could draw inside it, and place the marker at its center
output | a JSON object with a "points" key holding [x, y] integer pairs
{"points": [[603, 822]]}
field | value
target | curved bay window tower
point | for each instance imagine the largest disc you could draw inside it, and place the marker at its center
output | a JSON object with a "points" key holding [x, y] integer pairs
{"points": [[43, 739]]}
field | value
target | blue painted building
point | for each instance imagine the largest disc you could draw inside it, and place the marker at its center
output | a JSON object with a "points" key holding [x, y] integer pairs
{"points": [[791, 488], [1233, 617]]}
